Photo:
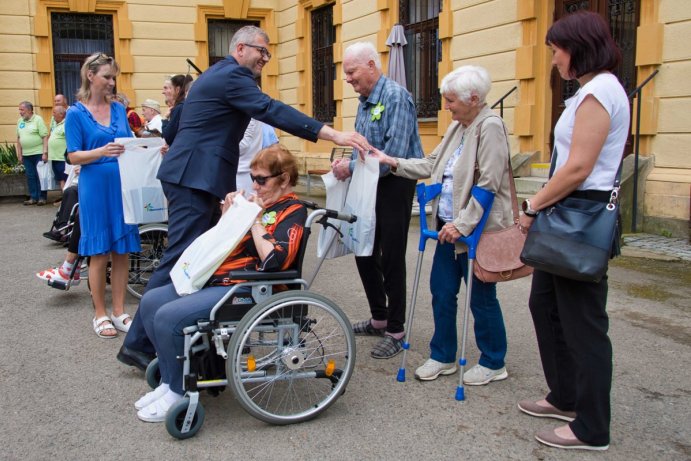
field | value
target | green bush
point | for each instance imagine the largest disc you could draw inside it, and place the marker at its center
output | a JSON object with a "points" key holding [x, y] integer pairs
{"points": [[8, 160]]}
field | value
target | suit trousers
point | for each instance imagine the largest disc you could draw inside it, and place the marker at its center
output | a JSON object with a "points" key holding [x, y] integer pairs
{"points": [[383, 274], [191, 212], [571, 325]]}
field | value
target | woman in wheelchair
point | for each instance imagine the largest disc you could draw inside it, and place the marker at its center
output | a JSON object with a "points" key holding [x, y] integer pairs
{"points": [[270, 245]]}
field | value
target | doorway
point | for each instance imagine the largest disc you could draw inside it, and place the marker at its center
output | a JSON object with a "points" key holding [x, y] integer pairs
{"points": [[622, 17]]}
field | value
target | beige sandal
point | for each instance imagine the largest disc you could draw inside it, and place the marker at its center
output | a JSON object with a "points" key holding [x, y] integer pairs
{"points": [[104, 323]]}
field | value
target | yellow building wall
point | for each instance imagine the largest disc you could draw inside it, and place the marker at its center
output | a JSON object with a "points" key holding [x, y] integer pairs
{"points": [[17, 63], [669, 184]]}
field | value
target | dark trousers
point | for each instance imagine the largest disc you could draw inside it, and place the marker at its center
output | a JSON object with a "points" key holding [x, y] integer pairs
{"points": [[191, 212], [383, 274], [571, 324]]}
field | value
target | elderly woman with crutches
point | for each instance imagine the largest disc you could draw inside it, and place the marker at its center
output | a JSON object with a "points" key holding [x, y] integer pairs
{"points": [[474, 151]]}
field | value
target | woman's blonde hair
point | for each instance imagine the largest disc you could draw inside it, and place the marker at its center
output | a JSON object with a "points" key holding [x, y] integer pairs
{"points": [[93, 63]]}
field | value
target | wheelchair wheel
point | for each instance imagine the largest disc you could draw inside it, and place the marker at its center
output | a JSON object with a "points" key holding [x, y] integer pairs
{"points": [[153, 374], [154, 238], [176, 418], [290, 357]]}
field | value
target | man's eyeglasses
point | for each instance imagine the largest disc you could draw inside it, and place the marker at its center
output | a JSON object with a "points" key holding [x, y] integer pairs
{"points": [[264, 52], [261, 180]]}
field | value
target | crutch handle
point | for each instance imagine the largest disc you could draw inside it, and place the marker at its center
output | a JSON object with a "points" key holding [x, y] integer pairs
{"points": [[485, 198]]}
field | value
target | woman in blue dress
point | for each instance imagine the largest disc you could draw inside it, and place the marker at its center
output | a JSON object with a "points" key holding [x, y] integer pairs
{"points": [[91, 126]]}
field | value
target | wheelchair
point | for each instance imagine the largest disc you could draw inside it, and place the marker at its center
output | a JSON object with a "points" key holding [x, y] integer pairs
{"points": [[142, 264], [286, 355]]}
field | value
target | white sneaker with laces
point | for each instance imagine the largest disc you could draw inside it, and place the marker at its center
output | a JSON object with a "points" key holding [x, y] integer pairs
{"points": [[479, 375], [431, 369]]}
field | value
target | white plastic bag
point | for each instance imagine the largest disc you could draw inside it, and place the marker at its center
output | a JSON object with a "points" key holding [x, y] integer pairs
{"points": [[142, 195], [208, 251], [335, 199], [45, 175], [361, 201]]}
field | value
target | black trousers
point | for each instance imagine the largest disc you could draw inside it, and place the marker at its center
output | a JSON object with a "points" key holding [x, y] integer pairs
{"points": [[383, 274], [571, 324], [191, 212]]}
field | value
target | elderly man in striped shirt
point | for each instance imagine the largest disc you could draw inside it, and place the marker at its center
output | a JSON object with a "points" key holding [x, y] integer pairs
{"points": [[387, 117]]}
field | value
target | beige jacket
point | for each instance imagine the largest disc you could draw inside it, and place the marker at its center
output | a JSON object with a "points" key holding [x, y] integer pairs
{"points": [[487, 131]]}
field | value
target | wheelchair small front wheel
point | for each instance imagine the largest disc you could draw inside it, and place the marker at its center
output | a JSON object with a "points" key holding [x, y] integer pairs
{"points": [[175, 419], [154, 240], [153, 374], [290, 357]]}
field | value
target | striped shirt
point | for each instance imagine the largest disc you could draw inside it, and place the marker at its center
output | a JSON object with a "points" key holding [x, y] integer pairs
{"points": [[388, 119]]}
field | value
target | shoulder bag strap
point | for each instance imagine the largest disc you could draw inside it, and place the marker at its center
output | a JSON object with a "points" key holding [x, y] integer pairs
{"points": [[512, 182]]}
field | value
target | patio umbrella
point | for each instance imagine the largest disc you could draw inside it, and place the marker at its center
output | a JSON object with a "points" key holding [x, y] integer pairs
{"points": [[397, 41]]}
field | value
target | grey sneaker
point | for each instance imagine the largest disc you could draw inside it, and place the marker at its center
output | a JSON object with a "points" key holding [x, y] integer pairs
{"points": [[431, 369], [386, 348], [479, 375]]}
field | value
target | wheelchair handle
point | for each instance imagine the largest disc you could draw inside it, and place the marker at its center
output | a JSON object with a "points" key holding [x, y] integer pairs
{"points": [[326, 213]]}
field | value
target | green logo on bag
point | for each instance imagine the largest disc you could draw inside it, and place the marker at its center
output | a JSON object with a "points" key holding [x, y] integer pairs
{"points": [[149, 207], [186, 266]]}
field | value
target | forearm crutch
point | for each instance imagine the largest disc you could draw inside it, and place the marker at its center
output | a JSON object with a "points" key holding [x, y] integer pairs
{"points": [[485, 198], [424, 194]]}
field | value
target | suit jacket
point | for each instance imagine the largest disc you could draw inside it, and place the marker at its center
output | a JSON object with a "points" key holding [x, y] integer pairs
{"points": [[213, 120], [487, 143]]}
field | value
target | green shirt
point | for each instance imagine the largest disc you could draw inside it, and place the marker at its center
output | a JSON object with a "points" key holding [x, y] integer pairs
{"points": [[57, 144], [31, 133]]}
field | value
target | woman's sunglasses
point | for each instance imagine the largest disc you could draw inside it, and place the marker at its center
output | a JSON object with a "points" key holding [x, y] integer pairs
{"points": [[261, 180]]}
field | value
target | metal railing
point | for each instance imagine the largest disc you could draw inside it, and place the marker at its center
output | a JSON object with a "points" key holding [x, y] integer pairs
{"points": [[636, 93], [500, 102]]}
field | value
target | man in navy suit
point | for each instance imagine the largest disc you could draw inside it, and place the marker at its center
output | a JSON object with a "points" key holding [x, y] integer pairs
{"points": [[200, 167]]}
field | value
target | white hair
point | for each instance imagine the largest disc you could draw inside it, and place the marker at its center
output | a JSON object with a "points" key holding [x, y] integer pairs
{"points": [[467, 81], [363, 52]]}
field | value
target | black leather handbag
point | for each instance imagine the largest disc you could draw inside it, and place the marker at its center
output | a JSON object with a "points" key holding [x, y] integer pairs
{"points": [[575, 237]]}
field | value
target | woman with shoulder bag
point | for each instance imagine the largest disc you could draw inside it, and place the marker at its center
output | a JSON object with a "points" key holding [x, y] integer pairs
{"points": [[476, 137], [570, 315]]}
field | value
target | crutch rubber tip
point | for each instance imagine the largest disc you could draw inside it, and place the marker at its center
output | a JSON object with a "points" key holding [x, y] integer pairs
{"points": [[401, 375], [406, 346], [460, 393]]}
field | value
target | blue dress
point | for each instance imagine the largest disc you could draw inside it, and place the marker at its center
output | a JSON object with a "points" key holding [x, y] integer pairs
{"points": [[100, 201]]}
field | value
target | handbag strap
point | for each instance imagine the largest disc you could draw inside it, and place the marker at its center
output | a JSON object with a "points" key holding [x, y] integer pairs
{"points": [[613, 198], [512, 182]]}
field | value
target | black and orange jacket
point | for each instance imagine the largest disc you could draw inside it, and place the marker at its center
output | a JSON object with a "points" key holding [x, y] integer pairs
{"points": [[284, 222]]}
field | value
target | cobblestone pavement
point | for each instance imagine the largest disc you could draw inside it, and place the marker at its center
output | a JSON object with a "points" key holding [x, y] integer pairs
{"points": [[675, 247]]}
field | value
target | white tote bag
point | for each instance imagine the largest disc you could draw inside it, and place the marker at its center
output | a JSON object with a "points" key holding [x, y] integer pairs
{"points": [[208, 251], [45, 175], [335, 200], [142, 195], [360, 201]]}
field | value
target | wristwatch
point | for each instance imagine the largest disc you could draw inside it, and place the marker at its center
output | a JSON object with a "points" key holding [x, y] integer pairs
{"points": [[527, 210]]}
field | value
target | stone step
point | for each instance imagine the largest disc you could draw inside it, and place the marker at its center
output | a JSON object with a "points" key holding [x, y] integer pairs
{"points": [[529, 185], [539, 170]]}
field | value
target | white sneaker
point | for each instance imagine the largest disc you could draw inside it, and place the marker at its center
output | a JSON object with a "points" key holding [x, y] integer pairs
{"points": [[431, 369], [479, 375]]}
